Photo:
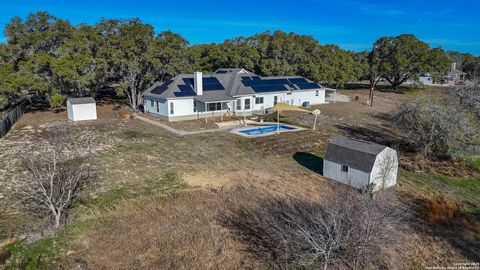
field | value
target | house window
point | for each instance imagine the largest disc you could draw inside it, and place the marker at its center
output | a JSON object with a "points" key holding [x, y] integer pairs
{"points": [[151, 102], [194, 106], [171, 108], [215, 106], [247, 104], [239, 104], [344, 168], [158, 107], [275, 100], [259, 100], [317, 93]]}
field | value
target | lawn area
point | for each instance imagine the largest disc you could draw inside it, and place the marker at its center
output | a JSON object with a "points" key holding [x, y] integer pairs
{"points": [[158, 196]]}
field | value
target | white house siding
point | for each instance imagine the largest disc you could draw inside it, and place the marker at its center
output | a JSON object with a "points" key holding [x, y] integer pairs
{"points": [[299, 97], [181, 107], [296, 98], [70, 111], [81, 112], [162, 108], [353, 177], [426, 80], [380, 162]]}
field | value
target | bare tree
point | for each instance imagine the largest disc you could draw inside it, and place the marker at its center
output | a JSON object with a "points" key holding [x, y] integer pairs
{"points": [[387, 164], [440, 127], [469, 96], [345, 229], [56, 178]]}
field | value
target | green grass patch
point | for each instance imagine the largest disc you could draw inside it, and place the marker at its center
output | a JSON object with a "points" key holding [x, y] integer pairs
{"points": [[47, 253], [465, 191]]}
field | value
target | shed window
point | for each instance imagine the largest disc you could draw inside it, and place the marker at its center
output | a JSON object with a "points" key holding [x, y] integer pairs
{"points": [[275, 100], [317, 93], [151, 103], [259, 100], [345, 168], [194, 106], [171, 108]]}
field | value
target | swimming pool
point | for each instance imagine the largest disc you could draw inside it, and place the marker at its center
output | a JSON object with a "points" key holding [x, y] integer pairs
{"points": [[265, 130]]}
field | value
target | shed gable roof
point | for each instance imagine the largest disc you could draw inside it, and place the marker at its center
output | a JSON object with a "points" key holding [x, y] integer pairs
{"points": [[82, 100], [354, 153]]}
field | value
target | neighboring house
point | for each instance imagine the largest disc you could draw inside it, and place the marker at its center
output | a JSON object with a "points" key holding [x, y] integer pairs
{"points": [[359, 163], [423, 78], [455, 75], [80, 109], [238, 91]]}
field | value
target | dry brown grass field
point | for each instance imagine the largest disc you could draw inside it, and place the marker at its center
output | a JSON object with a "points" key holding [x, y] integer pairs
{"points": [[159, 198]]}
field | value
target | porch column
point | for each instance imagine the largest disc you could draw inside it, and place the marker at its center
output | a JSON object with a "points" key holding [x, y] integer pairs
{"points": [[206, 112]]}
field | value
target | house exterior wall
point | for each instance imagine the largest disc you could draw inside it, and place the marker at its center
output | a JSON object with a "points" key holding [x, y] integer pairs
{"points": [[81, 112], [296, 98], [353, 177], [162, 109], [70, 111], [183, 108], [426, 80], [385, 169]]}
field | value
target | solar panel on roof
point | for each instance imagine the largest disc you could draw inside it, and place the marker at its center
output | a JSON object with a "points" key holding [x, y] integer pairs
{"points": [[308, 86], [269, 88], [160, 89], [210, 80], [185, 91], [298, 80], [213, 86], [258, 82]]}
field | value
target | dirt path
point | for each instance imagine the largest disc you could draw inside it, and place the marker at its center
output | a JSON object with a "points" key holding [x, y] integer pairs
{"points": [[174, 130]]}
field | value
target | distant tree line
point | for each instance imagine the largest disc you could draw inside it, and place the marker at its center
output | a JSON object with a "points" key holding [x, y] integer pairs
{"points": [[49, 56]]}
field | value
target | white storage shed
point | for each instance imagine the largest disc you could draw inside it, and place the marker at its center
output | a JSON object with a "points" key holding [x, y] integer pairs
{"points": [[360, 163], [80, 109]]}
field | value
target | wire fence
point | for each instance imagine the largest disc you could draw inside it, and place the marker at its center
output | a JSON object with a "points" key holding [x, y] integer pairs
{"points": [[10, 119]]}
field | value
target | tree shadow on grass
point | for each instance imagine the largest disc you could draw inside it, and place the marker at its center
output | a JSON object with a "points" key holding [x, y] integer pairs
{"points": [[309, 161], [381, 135]]}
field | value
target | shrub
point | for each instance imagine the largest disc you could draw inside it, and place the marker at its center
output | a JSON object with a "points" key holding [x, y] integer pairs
{"points": [[442, 129], [57, 100], [345, 229], [439, 211]]}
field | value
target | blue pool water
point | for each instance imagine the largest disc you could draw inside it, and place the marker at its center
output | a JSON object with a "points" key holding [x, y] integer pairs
{"points": [[265, 130]]}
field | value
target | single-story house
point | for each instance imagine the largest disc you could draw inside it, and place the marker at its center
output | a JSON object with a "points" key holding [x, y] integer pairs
{"points": [[360, 163], [454, 74], [423, 79], [234, 90], [80, 109]]}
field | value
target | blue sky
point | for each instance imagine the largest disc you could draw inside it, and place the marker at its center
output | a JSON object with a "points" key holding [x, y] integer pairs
{"points": [[352, 24]]}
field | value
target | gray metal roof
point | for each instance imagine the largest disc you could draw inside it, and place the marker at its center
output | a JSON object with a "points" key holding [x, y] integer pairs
{"points": [[213, 96], [456, 72], [353, 153], [232, 82], [82, 100]]}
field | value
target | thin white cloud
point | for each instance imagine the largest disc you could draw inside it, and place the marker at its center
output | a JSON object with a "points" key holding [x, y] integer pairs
{"points": [[452, 42]]}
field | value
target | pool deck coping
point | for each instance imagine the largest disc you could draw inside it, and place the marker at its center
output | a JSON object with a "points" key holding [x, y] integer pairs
{"points": [[237, 130]]}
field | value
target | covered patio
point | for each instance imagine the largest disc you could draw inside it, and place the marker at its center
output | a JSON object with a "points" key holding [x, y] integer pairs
{"points": [[211, 103]]}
